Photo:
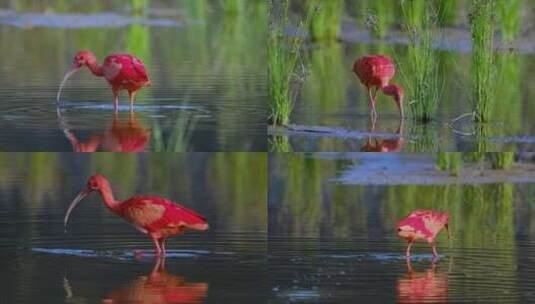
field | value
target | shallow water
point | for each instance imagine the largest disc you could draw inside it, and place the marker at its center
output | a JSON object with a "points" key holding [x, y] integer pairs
{"points": [[333, 100], [102, 257], [335, 243], [207, 70]]}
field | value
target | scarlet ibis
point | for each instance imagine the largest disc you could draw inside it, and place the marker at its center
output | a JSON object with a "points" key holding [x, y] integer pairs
{"points": [[122, 71], [375, 72], [157, 217], [423, 225], [159, 287]]}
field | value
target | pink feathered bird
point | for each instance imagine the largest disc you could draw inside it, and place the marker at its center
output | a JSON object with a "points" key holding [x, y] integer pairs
{"points": [[423, 225]]}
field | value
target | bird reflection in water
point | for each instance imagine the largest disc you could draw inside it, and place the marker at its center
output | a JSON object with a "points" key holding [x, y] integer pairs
{"points": [[123, 135], [159, 287], [374, 144], [424, 286]]}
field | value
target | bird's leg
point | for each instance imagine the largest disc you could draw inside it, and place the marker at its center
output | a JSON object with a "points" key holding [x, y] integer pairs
{"points": [[116, 101], [434, 247], [162, 246], [372, 104], [408, 252], [157, 248], [132, 96], [409, 265]]}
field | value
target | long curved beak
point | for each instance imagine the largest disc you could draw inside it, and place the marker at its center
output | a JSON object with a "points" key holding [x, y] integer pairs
{"points": [[73, 204], [74, 68]]}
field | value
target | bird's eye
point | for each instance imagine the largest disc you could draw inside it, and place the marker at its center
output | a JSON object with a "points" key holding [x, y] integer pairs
{"points": [[399, 229]]}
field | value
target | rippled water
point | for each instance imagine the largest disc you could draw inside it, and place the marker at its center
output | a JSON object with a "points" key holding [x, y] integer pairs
{"points": [[207, 70], [335, 243], [101, 257]]}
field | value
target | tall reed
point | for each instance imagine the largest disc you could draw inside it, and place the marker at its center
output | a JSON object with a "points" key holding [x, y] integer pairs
{"points": [[283, 58], [421, 73], [446, 12], [482, 71]]}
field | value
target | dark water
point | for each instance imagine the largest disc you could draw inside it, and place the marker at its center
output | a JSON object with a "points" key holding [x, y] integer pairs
{"points": [[207, 70], [336, 243], [332, 99], [98, 258]]}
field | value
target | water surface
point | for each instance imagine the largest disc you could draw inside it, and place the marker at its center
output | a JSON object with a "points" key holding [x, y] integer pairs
{"points": [[207, 70], [101, 257], [335, 243]]}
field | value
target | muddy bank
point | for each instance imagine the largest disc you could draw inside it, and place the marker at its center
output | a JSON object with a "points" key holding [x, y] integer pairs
{"points": [[404, 169], [74, 21]]}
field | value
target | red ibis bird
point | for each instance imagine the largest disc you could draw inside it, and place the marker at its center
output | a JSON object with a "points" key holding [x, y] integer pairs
{"points": [[157, 217], [423, 225], [122, 71], [375, 72]]}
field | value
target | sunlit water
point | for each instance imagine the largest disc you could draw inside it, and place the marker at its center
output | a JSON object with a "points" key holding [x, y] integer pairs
{"points": [[101, 257], [332, 100], [335, 243], [207, 69]]}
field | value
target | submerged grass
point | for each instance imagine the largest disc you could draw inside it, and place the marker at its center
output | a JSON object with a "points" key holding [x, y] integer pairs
{"points": [[283, 58], [482, 71], [325, 24], [421, 73]]}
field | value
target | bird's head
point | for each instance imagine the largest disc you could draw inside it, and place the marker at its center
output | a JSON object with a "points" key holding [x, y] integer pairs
{"points": [[83, 58], [396, 92], [95, 183]]}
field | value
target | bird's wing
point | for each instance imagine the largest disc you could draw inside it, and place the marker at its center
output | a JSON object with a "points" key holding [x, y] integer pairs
{"points": [[142, 211], [111, 68], [140, 70], [177, 214], [155, 213]]}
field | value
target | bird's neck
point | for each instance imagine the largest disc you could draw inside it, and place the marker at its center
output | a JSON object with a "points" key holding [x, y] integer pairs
{"points": [[107, 197], [95, 68]]}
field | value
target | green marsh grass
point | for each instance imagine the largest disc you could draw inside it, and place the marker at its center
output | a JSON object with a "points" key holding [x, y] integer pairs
{"points": [[139, 6], [509, 18], [508, 93], [501, 160], [283, 59], [482, 70], [446, 12], [379, 16], [420, 73], [325, 24], [234, 7], [449, 161]]}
